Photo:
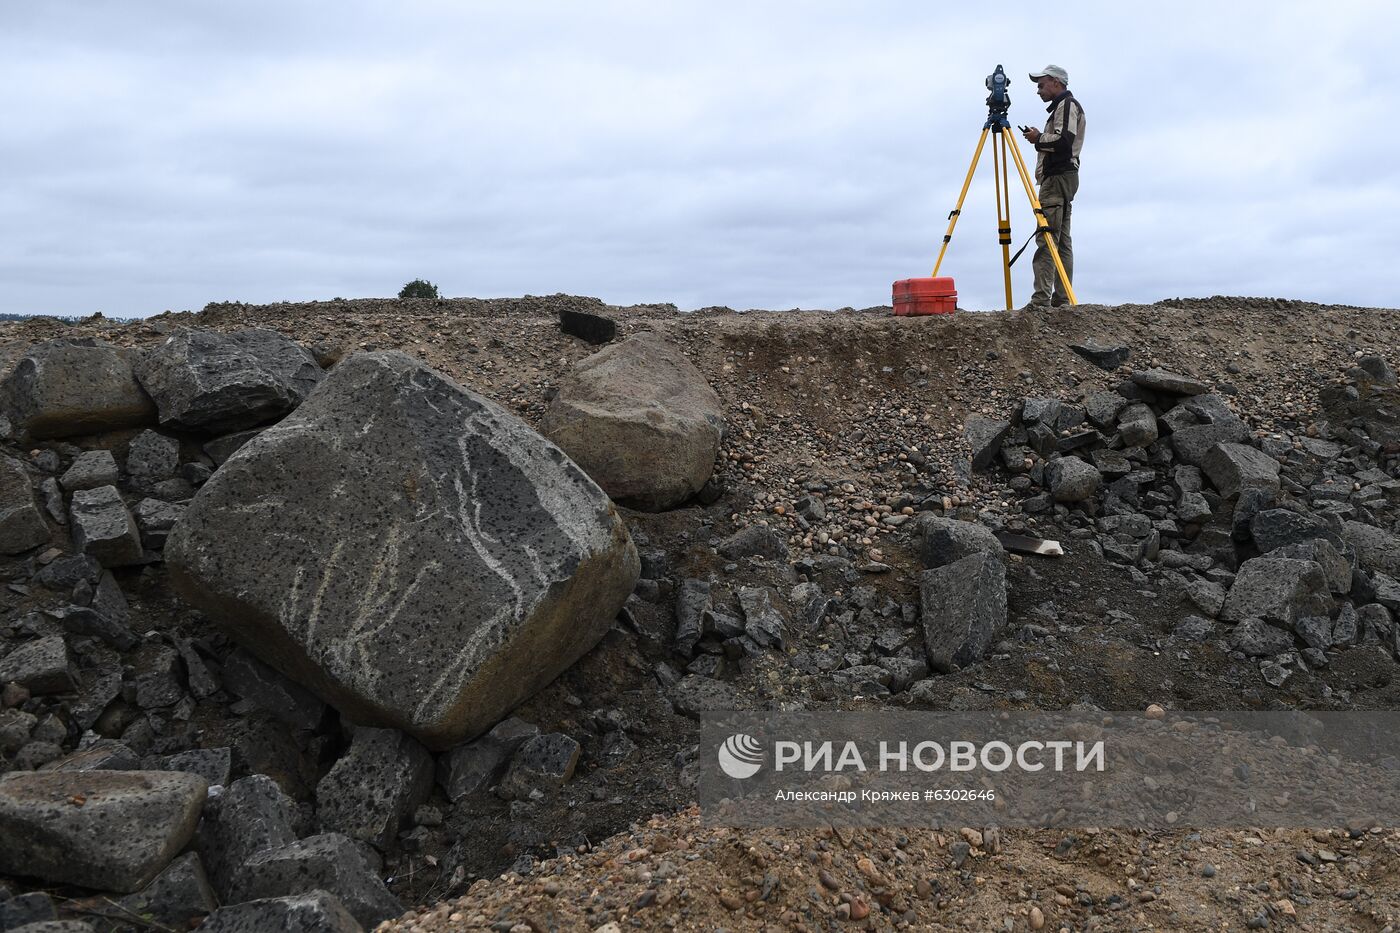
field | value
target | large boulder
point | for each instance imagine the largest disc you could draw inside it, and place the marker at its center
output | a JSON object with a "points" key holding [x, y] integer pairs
{"points": [[108, 830], [250, 815], [203, 380], [963, 609], [641, 420], [66, 387], [22, 525], [409, 550]]}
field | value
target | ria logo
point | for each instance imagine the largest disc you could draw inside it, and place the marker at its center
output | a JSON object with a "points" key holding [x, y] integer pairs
{"points": [[741, 756]]}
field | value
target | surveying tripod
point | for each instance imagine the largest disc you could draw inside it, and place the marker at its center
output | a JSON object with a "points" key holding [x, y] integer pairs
{"points": [[998, 103]]}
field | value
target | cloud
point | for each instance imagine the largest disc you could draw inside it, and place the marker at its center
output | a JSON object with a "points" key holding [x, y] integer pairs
{"points": [[163, 154]]}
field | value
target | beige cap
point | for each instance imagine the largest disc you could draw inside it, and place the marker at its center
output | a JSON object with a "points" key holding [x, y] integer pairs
{"points": [[1052, 71]]}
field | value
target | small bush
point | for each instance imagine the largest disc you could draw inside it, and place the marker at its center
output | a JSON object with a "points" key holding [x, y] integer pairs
{"points": [[419, 288]]}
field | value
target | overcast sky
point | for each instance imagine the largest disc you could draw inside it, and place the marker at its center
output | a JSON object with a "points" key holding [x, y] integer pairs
{"points": [[161, 155]]}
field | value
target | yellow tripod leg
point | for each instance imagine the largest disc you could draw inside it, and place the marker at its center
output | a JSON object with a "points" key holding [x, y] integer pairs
{"points": [[1003, 192], [1042, 226], [953, 217]]}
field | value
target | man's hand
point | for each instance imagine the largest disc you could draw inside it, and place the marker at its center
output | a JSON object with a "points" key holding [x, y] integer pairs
{"points": [[1032, 135]]}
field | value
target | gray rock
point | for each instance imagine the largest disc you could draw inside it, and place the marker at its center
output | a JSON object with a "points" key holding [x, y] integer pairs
{"points": [[811, 508], [251, 814], [476, 765], [1160, 380], [83, 620], [594, 328], [67, 387], [314, 912], [754, 541], [152, 457], [1315, 631], [35, 755], [1278, 590], [328, 862], [963, 610], [809, 605], [1276, 528], [129, 826], [1137, 425], [90, 469], [1206, 596], [1233, 467], [40, 666], [429, 574], [1335, 567], [67, 572], [1072, 480], [22, 525], [155, 519], [1193, 508], [1040, 410], [1387, 591], [1102, 409], [947, 540], [51, 494], [1107, 358], [1256, 638], [542, 763], [109, 599], [1191, 444], [102, 527], [762, 621], [266, 689], [177, 896], [213, 764], [1376, 369], [372, 791], [35, 907], [1376, 548], [693, 604], [1374, 624], [1347, 626], [220, 449], [1193, 628], [984, 436], [696, 695], [641, 420], [15, 727], [202, 380]]}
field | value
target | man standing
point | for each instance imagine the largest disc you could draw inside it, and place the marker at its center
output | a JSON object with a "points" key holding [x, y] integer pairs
{"points": [[1057, 173]]}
